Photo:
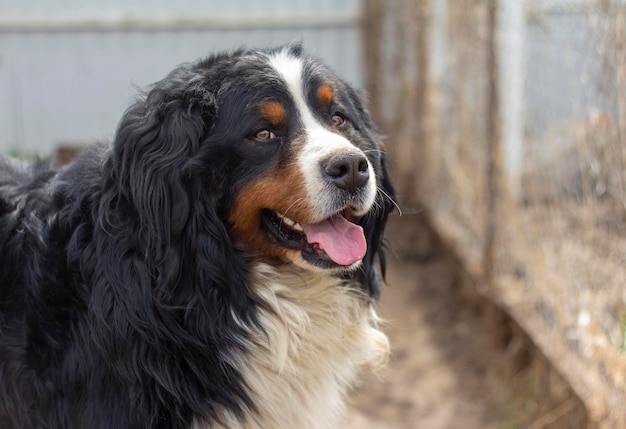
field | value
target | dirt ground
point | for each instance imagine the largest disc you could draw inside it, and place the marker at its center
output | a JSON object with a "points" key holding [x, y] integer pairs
{"points": [[439, 375]]}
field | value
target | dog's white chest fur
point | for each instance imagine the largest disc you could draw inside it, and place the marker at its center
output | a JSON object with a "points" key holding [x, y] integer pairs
{"points": [[317, 333]]}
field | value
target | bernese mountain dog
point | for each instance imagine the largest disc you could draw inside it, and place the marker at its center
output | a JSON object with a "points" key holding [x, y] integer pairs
{"points": [[215, 266]]}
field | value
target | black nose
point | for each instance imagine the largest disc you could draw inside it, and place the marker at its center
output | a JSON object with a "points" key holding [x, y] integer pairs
{"points": [[347, 171]]}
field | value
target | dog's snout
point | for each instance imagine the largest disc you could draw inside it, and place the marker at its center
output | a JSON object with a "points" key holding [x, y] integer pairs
{"points": [[349, 171]]}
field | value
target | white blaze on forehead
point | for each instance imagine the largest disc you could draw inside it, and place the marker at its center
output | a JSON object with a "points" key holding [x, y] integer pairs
{"points": [[291, 69], [320, 143]]}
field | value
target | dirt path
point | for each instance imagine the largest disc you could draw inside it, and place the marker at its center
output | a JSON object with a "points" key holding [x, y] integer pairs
{"points": [[437, 377]]}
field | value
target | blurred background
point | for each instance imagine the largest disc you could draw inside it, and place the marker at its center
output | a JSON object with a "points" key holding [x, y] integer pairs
{"points": [[505, 123]]}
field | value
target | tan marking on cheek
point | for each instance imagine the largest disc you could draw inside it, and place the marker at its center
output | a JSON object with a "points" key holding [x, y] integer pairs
{"points": [[325, 96], [274, 112], [282, 191]]}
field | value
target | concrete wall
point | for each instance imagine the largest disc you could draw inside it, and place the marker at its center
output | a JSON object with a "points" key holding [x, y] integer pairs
{"points": [[69, 69]]}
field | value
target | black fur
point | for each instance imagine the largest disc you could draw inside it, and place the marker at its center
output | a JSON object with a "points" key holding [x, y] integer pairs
{"points": [[119, 283]]}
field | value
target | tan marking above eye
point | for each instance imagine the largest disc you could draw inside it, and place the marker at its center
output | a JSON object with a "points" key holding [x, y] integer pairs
{"points": [[273, 112], [325, 96]]}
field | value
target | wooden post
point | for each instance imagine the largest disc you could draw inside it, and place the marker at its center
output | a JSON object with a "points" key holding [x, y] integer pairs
{"points": [[494, 317], [493, 144], [373, 18], [421, 105], [620, 47], [511, 52]]}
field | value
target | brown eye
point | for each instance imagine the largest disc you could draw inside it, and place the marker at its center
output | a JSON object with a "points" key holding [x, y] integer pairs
{"points": [[337, 119], [264, 135]]}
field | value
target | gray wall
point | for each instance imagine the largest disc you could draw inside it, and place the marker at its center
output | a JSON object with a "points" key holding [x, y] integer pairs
{"points": [[68, 69]]}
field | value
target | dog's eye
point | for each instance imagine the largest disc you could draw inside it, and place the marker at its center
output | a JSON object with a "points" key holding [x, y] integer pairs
{"points": [[338, 119], [264, 135]]}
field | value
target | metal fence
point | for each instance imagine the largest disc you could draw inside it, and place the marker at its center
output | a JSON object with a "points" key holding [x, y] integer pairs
{"points": [[506, 122]]}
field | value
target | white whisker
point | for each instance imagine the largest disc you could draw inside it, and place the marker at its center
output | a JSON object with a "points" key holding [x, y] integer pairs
{"points": [[380, 151], [298, 201], [391, 199]]}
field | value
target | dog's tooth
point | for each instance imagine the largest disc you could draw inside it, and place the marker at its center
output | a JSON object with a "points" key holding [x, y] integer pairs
{"points": [[290, 222]]}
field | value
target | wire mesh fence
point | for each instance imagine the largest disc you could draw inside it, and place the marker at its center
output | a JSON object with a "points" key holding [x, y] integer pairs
{"points": [[507, 122]]}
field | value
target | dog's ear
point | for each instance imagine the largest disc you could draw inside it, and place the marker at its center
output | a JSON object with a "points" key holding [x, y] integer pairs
{"points": [[146, 168], [373, 224], [162, 268]]}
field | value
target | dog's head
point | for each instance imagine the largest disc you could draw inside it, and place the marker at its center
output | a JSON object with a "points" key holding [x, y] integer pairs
{"points": [[274, 145]]}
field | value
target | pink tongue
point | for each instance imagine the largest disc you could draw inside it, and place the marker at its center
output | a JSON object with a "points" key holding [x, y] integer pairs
{"points": [[342, 241]]}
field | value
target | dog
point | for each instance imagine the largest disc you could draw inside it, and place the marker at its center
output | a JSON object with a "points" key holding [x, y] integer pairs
{"points": [[216, 265]]}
